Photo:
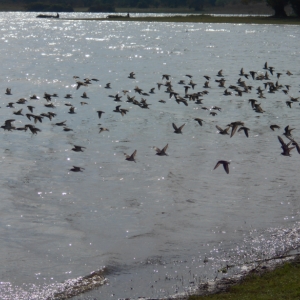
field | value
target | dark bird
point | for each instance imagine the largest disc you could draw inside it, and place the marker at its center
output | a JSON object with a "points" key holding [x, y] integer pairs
{"points": [[234, 126], [77, 169], [177, 130], [67, 129], [10, 104], [288, 131], [33, 129], [166, 76], [161, 152], [100, 112], [38, 118], [30, 108], [274, 126], [285, 147], [225, 165], [84, 96], [72, 110], [78, 148], [222, 131], [130, 157], [18, 113], [8, 126], [103, 129], [107, 86], [61, 123], [68, 96], [131, 75], [220, 73], [21, 101], [80, 83], [122, 111], [246, 130], [51, 105], [253, 73], [8, 91], [199, 121]]}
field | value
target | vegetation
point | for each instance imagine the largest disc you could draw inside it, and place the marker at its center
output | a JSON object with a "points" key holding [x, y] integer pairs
{"points": [[110, 5], [280, 284]]}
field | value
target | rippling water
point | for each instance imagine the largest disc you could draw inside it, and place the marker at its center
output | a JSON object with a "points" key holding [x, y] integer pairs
{"points": [[153, 222]]}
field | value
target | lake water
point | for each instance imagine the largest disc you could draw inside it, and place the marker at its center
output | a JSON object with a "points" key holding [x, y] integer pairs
{"points": [[151, 223]]}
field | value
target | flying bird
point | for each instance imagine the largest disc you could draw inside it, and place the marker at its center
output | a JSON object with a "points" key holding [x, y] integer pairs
{"points": [[225, 165]]}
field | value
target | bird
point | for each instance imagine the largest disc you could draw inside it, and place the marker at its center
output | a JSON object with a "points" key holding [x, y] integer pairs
{"points": [[21, 101], [76, 169], [285, 147], [8, 91], [103, 129], [33, 129], [246, 130], [67, 129], [122, 111], [72, 110], [107, 86], [84, 96], [18, 113], [68, 96], [10, 104], [78, 148], [177, 129], [234, 126], [199, 121], [8, 126], [274, 126], [288, 131], [161, 152], [51, 105], [61, 123], [166, 76], [79, 84], [222, 131], [131, 157], [30, 108], [100, 112], [131, 75], [225, 165]]}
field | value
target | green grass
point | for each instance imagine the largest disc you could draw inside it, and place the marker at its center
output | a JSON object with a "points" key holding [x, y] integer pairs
{"points": [[281, 284]]}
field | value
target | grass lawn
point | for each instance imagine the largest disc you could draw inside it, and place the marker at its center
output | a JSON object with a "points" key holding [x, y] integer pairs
{"points": [[283, 283]]}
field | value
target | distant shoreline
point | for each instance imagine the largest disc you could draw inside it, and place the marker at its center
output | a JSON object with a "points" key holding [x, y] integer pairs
{"points": [[200, 19]]}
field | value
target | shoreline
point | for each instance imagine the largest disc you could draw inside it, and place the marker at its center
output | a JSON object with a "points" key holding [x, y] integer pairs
{"points": [[198, 19]]}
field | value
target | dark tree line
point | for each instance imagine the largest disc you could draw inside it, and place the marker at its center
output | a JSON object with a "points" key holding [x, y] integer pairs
{"points": [[279, 6], [109, 5]]}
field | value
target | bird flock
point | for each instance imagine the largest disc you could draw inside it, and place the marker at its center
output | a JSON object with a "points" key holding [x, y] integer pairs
{"points": [[252, 85]]}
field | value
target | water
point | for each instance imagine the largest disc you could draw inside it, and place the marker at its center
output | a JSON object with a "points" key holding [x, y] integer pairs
{"points": [[153, 222]]}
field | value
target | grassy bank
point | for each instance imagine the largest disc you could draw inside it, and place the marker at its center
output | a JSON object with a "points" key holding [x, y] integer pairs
{"points": [[206, 19], [281, 283]]}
